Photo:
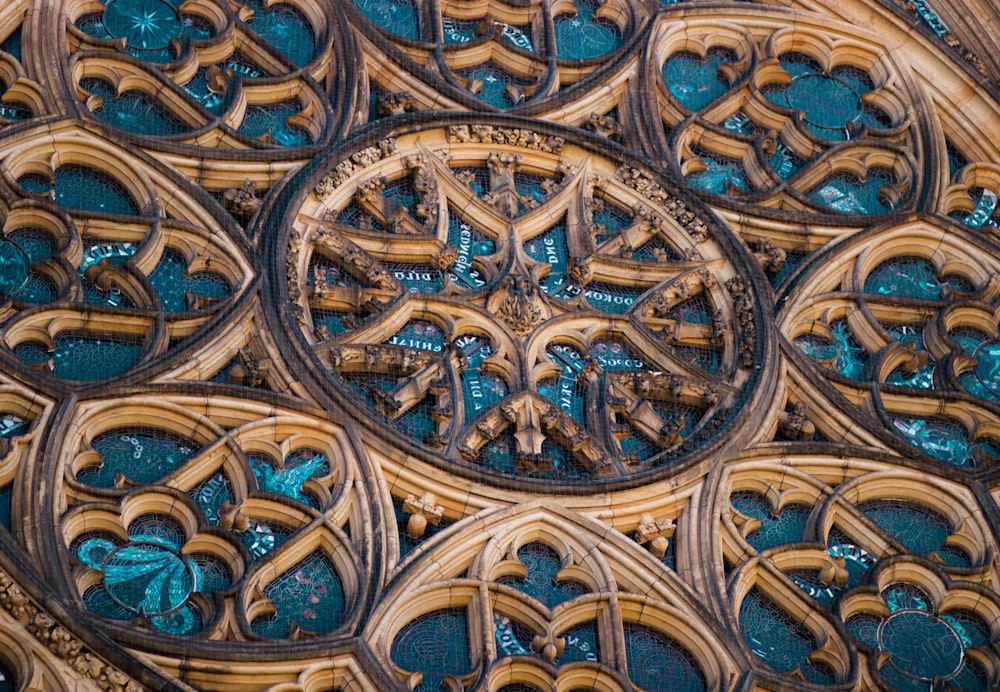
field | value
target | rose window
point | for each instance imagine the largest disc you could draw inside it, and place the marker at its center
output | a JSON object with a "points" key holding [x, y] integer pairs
{"points": [[569, 326]]}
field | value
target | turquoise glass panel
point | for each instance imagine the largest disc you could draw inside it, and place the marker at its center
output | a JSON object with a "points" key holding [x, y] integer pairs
{"points": [[309, 596], [905, 597], [584, 35], [943, 440], [211, 494], [398, 17], [115, 253], [38, 244], [172, 283], [564, 391], [922, 647], [84, 189], [8, 681], [847, 355], [494, 82], [918, 528], [285, 28], [271, 121], [612, 354], [132, 111], [84, 358], [857, 560], [775, 529], [261, 538], [12, 44], [481, 389], [406, 542], [542, 564], [969, 626], [864, 628], [612, 220], [471, 244], [905, 277], [15, 269], [500, 454], [184, 620], [512, 638], [847, 193], [417, 278], [197, 88], [142, 456], [777, 639], [145, 24], [658, 662], [148, 578], [298, 467], [581, 644], [694, 81], [550, 248], [5, 497], [609, 298], [721, 176], [97, 600], [420, 334], [457, 30], [436, 644], [956, 159]]}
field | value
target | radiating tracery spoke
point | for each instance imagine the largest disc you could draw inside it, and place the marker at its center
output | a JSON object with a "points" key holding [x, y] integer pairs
{"points": [[600, 335]]}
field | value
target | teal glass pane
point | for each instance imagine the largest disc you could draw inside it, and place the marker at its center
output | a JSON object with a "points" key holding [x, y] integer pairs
{"points": [[172, 283], [985, 379], [970, 678], [184, 620], [655, 250], [197, 88], [436, 644], [471, 244], [609, 298], [85, 358], [775, 530], [658, 662], [864, 628], [260, 538], [512, 638], [564, 391], [144, 24], [420, 334], [38, 291], [398, 17], [721, 175], [550, 248], [542, 564], [97, 600], [132, 111], [310, 596], [784, 162], [5, 497], [581, 644], [285, 28], [956, 159], [857, 560], [611, 219], [417, 278], [584, 35], [15, 269], [298, 467], [918, 528], [612, 354], [148, 578], [8, 681], [494, 81], [808, 580], [531, 186], [481, 389], [458, 31], [210, 496], [694, 81], [777, 639], [921, 646], [845, 192], [161, 530], [969, 626], [944, 440], [905, 597], [847, 355], [905, 277], [38, 244], [406, 542], [985, 212], [143, 456], [354, 215], [12, 44], [84, 189], [270, 121]]}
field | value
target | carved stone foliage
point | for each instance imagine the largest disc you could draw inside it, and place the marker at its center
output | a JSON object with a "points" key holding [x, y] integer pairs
{"points": [[584, 323]]}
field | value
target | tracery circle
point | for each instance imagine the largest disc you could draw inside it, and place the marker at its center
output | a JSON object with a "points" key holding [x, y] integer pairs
{"points": [[149, 578], [936, 653], [512, 305]]}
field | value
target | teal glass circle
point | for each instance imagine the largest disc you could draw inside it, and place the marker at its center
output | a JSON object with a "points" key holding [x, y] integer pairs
{"points": [[825, 101], [146, 24], [148, 578], [921, 646], [15, 269]]}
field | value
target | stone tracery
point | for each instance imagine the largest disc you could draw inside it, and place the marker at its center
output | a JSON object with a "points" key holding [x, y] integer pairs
{"points": [[688, 382]]}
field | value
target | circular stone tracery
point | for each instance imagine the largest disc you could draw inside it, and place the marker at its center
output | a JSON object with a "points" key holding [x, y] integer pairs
{"points": [[520, 306]]}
